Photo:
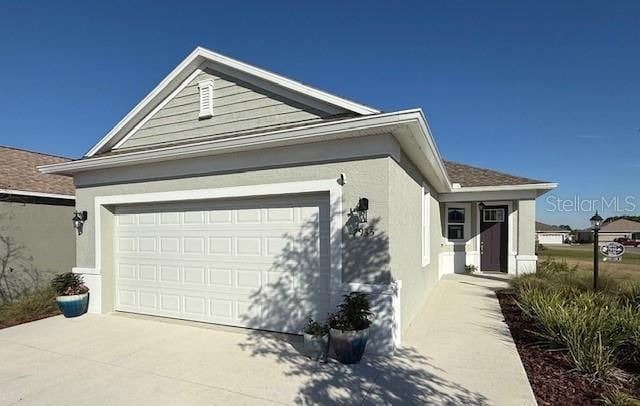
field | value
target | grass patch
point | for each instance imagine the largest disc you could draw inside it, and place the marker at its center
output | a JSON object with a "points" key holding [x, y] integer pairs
{"points": [[618, 398], [32, 306]]}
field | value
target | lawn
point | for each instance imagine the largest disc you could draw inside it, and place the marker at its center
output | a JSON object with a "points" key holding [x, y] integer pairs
{"points": [[582, 256]]}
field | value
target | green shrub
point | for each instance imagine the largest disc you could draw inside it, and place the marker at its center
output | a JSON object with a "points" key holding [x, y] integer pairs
{"points": [[69, 283], [630, 293], [616, 397], [585, 323], [549, 310], [469, 269]]}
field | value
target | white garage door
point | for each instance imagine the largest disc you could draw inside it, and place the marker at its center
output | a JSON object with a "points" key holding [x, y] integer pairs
{"points": [[550, 239], [259, 263]]}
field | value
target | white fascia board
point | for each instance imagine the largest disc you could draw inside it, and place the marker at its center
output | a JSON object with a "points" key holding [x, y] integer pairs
{"points": [[489, 193], [192, 62], [407, 126], [36, 194], [286, 82], [528, 186]]}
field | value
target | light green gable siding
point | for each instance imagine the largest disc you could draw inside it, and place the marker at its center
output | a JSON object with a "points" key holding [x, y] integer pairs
{"points": [[237, 108]]}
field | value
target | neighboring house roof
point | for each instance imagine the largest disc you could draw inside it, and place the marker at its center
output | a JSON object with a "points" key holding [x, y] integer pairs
{"points": [[621, 226], [546, 228], [471, 176], [19, 174]]}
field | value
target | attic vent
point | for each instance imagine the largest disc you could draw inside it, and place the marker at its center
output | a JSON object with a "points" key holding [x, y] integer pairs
{"points": [[206, 98]]}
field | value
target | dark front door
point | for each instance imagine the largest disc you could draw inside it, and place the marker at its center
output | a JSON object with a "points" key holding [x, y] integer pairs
{"points": [[493, 238]]}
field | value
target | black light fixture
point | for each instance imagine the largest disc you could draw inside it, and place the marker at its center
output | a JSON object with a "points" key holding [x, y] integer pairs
{"points": [[79, 217], [362, 208], [596, 222], [481, 205]]}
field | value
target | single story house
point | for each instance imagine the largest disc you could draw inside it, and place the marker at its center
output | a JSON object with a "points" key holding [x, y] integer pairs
{"points": [[610, 230], [548, 234], [33, 205], [236, 196]]}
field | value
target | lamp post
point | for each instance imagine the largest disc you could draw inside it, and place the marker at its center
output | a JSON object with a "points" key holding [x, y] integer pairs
{"points": [[596, 220]]}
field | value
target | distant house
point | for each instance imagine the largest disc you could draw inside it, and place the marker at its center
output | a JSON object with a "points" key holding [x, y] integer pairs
{"points": [[548, 234], [36, 233], [620, 228]]}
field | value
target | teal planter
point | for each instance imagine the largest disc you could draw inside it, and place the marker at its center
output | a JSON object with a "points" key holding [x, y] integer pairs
{"points": [[73, 306], [349, 346]]}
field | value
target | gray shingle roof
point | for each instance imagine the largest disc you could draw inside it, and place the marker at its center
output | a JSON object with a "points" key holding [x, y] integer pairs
{"points": [[542, 227], [18, 171], [621, 226], [468, 176]]}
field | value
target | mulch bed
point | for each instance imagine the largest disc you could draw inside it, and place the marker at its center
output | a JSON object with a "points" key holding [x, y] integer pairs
{"points": [[550, 373]]}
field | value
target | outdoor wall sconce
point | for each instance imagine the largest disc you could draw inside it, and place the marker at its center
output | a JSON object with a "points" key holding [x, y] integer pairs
{"points": [[481, 205], [358, 216], [79, 217]]}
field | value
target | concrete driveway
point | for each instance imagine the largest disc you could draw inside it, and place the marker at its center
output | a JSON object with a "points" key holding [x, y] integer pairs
{"points": [[459, 351]]}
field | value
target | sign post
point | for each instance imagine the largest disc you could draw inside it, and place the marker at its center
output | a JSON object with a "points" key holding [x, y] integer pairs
{"points": [[612, 251]]}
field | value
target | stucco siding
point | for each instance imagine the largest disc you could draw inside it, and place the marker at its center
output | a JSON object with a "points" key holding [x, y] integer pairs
{"points": [[365, 261], [526, 227], [237, 107], [405, 221], [43, 236]]}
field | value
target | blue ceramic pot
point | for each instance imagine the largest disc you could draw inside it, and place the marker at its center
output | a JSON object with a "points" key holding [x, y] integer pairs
{"points": [[74, 305], [349, 346]]}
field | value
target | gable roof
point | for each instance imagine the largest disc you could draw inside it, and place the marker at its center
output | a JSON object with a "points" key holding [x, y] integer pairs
{"points": [[471, 176], [546, 228], [202, 57], [621, 226], [19, 174]]}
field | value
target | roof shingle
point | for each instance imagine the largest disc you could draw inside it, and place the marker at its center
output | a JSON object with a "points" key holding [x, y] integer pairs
{"points": [[542, 227], [18, 171], [469, 176]]}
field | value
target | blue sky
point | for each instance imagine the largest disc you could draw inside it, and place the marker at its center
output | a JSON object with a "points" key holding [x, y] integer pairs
{"points": [[557, 80]]}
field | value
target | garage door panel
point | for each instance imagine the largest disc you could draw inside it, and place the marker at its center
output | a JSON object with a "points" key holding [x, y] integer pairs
{"points": [[260, 264]]}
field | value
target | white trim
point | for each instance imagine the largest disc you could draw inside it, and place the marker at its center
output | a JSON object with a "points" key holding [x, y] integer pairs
{"points": [[193, 61], [36, 194], [163, 103], [528, 186], [467, 223], [274, 189], [205, 89], [425, 225], [511, 253], [527, 257], [409, 128], [85, 271]]}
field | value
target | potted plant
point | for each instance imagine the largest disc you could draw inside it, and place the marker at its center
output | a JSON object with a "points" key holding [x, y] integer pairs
{"points": [[349, 328], [72, 294], [316, 340]]}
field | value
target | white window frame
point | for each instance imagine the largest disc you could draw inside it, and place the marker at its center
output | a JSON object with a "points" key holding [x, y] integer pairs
{"points": [[467, 222], [426, 225], [498, 219], [205, 89]]}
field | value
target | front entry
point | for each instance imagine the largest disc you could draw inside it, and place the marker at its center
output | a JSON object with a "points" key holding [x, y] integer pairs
{"points": [[493, 238]]}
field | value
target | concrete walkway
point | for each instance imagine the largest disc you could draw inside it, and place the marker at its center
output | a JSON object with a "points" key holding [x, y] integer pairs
{"points": [[459, 351]]}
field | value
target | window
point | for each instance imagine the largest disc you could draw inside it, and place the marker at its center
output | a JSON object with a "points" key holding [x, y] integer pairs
{"points": [[493, 215], [426, 240], [456, 218], [206, 98]]}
